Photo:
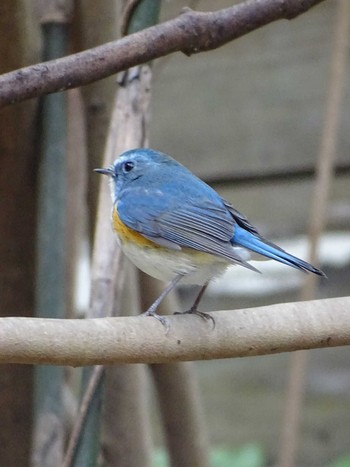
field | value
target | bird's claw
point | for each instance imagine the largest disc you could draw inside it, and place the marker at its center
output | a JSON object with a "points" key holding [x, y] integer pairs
{"points": [[194, 311], [162, 319]]}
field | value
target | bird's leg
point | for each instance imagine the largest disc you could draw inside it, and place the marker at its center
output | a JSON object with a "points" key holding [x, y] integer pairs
{"points": [[152, 309], [199, 297], [194, 308]]}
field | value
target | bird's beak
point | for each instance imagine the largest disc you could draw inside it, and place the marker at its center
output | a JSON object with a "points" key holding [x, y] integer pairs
{"points": [[108, 171]]}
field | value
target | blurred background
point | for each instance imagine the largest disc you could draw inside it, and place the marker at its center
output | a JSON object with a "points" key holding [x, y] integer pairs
{"points": [[251, 122], [247, 118]]}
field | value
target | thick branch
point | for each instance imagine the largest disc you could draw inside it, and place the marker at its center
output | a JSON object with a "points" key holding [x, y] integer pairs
{"points": [[191, 32], [239, 333]]}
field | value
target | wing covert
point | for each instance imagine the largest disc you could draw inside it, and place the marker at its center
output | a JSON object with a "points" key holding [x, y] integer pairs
{"points": [[205, 225]]}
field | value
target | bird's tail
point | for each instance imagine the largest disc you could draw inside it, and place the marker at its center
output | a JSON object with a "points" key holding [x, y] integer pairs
{"points": [[259, 245]]}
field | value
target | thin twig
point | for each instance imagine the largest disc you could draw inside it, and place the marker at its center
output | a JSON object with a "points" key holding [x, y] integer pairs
{"points": [[190, 33], [127, 14], [85, 404]]}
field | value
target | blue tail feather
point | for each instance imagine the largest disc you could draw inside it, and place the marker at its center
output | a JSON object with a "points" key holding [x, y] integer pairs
{"points": [[259, 245]]}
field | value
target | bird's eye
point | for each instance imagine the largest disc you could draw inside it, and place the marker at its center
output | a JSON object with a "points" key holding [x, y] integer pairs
{"points": [[128, 166]]}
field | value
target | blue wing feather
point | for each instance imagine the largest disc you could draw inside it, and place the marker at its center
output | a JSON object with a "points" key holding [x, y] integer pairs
{"points": [[258, 244], [203, 223]]}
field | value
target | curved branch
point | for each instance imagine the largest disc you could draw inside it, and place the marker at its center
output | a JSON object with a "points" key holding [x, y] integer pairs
{"points": [[239, 333], [191, 32]]}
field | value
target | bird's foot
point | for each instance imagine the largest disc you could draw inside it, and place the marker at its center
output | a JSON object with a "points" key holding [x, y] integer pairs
{"points": [[193, 311], [162, 319]]}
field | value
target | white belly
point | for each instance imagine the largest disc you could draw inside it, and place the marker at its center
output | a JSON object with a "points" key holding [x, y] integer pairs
{"points": [[164, 264]]}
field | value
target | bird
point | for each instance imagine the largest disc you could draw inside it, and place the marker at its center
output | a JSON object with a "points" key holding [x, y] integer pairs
{"points": [[175, 227]]}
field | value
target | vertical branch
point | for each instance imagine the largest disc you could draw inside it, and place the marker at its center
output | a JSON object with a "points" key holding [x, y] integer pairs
{"points": [[318, 220], [51, 294], [106, 273], [182, 413], [126, 437], [127, 129]]}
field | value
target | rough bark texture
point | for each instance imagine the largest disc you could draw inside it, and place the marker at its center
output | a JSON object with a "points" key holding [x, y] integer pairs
{"points": [[190, 33]]}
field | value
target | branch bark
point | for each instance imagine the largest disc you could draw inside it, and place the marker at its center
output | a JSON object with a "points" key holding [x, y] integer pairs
{"points": [[239, 333], [191, 32]]}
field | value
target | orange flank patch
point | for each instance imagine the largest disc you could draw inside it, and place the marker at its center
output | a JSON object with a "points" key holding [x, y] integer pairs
{"points": [[126, 234]]}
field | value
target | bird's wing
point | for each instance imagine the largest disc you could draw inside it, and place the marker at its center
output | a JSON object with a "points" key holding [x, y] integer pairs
{"points": [[202, 224], [240, 218]]}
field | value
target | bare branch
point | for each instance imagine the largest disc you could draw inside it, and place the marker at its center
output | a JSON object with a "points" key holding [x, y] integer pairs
{"points": [[191, 32], [239, 333], [80, 419]]}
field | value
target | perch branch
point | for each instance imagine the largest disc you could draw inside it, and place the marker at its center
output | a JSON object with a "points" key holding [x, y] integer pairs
{"points": [[139, 339], [191, 32]]}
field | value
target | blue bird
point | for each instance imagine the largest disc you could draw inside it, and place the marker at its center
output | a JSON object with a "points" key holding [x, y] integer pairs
{"points": [[173, 226]]}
